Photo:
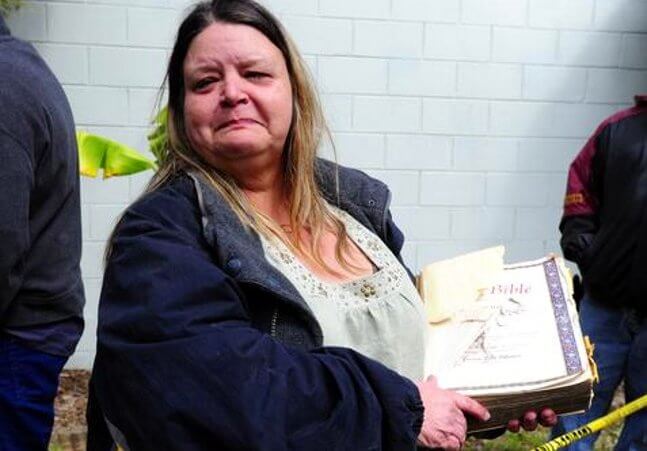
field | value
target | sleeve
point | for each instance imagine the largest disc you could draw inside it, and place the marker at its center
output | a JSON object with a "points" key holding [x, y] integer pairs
{"points": [[579, 222], [179, 367], [16, 180]]}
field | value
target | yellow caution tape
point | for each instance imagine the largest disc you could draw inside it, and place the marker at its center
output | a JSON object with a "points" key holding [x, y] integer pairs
{"points": [[595, 425]]}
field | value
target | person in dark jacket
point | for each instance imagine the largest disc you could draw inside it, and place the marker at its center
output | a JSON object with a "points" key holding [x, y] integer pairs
{"points": [[41, 291], [254, 297], [604, 231]]}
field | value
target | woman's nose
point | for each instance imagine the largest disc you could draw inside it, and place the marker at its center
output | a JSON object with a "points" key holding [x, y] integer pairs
{"points": [[233, 92]]}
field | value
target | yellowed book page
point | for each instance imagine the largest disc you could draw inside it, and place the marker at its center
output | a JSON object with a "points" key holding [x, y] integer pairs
{"points": [[448, 285]]}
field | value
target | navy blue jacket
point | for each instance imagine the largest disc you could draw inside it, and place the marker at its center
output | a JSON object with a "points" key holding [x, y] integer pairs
{"points": [[202, 344]]}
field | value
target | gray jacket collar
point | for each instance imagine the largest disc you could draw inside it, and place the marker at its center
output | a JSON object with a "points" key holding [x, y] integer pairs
{"points": [[236, 248], [4, 29]]}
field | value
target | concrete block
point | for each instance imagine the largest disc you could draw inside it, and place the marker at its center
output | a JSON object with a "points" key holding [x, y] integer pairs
{"points": [[422, 223], [485, 154], [462, 117], [85, 219], [404, 185], [422, 78], [524, 250], [615, 86], [353, 75], [482, 223], [624, 15], [98, 106], [521, 45], [589, 48], [386, 114], [553, 247], [305, 7], [119, 66], [554, 83], [489, 81], [110, 191], [338, 110], [426, 10], [409, 254], [321, 36], [517, 189], [457, 42], [361, 9], [555, 189], [538, 223], [29, 22], [560, 120], [634, 51], [87, 24], [360, 150], [142, 106], [138, 183], [494, 12], [103, 219], [68, 62], [429, 252], [92, 259], [152, 27], [418, 152], [168, 4], [547, 155], [571, 14], [81, 359], [92, 287], [452, 188], [388, 39], [312, 66]]}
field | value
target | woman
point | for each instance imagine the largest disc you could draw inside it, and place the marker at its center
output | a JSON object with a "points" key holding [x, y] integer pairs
{"points": [[251, 292]]}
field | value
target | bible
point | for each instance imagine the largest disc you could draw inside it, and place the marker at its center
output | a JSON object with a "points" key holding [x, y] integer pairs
{"points": [[506, 335]]}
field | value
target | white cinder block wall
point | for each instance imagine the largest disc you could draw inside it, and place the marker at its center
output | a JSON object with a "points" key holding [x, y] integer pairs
{"points": [[471, 110]]}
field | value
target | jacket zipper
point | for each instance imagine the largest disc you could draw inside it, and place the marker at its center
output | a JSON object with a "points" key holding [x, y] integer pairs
{"points": [[275, 318]]}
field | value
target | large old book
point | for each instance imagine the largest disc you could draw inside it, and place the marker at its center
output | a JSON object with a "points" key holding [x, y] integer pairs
{"points": [[506, 335]]}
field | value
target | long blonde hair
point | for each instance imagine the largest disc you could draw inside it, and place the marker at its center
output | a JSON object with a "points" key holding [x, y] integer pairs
{"points": [[306, 204]]}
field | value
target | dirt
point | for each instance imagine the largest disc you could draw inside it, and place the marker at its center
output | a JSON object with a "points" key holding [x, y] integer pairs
{"points": [[69, 424]]}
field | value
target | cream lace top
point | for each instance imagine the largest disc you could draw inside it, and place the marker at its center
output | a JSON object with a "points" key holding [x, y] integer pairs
{"points": [[379, 315]]}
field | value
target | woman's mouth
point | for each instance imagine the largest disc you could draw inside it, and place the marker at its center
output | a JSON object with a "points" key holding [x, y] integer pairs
{"points": [[237, 123]]}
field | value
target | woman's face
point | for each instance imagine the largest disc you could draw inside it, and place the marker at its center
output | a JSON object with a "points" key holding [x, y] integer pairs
{"points": [[238, 98]]}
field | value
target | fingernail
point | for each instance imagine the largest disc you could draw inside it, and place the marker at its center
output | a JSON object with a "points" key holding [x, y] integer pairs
{"points": [[487, 416]]}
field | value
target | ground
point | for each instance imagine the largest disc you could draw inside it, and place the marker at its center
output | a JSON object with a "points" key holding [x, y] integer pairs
{"points": [[70, 427], [69, 423]]}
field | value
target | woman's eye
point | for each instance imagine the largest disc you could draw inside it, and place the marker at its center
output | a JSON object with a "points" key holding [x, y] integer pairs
{"points": [[254, 74], [203, 83]]}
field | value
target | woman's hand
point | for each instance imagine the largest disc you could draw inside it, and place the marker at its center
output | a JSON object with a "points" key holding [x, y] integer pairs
{"points": [[444, 424], [530, 419]]}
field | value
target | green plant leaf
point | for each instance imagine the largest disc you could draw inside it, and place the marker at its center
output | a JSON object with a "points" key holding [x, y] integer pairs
{"points": [[158, 138], [7, 6], [97, 152]]}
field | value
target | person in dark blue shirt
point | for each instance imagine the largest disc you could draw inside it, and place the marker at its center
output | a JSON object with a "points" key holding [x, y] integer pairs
{"points": [[41, 291]]}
